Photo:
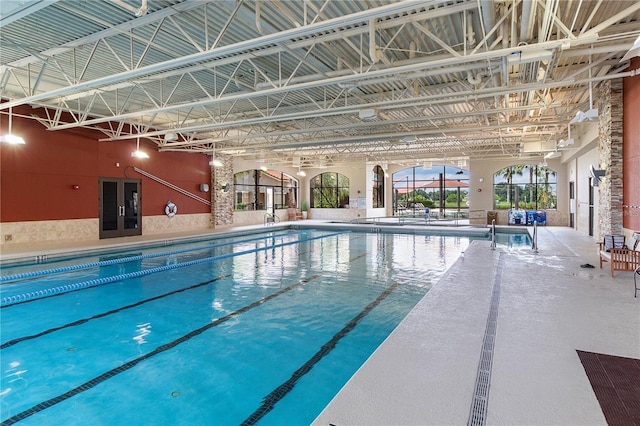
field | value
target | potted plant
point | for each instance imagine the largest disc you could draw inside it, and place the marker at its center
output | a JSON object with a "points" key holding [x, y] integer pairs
{"points": [[304, 207]]}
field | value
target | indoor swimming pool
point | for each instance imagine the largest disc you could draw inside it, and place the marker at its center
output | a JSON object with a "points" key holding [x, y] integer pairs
{"points": [[251, 329]]}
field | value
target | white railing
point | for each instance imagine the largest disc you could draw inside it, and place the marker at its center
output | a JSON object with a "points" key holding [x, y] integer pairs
{"points": [[172, 186]]}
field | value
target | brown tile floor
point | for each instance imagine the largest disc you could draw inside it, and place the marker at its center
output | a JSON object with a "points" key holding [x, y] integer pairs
{"points": [[616, 383]]}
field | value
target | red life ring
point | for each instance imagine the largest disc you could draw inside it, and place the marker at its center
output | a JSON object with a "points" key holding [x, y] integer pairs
{"points": [[171, 209]]}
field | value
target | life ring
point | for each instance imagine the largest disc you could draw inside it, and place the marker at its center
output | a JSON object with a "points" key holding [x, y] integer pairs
{"points": [[170, 209]]}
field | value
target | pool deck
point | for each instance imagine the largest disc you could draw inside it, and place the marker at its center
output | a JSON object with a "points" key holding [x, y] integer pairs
{"points": [[545, 308], [524, 314]]}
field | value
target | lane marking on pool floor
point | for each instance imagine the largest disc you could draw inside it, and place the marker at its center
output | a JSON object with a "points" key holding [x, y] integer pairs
{"points": [[81, 321], [162, 348], [269, 401], [478, 412]]}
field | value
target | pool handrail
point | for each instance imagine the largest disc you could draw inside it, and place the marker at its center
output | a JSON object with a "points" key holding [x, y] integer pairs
{"points": [[534, 240], [493, 234]]}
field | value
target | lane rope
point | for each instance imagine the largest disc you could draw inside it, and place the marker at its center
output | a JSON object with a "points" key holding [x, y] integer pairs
{"points": [[39, 294]]}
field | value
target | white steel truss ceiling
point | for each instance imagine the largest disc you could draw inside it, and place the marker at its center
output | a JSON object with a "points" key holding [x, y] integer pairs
{"points": [[316, 81]]}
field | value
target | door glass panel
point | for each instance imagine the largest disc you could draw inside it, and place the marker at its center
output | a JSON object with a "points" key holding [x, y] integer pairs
{"points": [[130, 205], [269, 201], [109, 206]]}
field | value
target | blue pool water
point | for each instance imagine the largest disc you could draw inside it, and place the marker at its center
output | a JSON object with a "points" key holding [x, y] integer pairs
{"points": [[255, 329]]}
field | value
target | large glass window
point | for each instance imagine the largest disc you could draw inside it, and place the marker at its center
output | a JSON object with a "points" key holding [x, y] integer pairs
{"points": [[525, 186], [330, 190], [378, 187], [251, 187], [445, 188]]}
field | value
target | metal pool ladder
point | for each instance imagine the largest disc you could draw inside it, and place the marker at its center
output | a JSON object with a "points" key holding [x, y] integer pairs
{"points": [[534, 240]]}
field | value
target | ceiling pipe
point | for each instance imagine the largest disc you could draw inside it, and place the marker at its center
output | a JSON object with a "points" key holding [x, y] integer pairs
{"points": [[143, 9], [528, 16], [504, 31], [138, 12], [487, 8], [259, 16], [471, 35]]}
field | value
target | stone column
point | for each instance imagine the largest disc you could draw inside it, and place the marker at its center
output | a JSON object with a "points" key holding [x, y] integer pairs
{"points": [[222, 201], [610, 194]]}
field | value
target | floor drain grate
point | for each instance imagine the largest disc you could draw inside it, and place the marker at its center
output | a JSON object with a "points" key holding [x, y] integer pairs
{"points": [[478, 414]]}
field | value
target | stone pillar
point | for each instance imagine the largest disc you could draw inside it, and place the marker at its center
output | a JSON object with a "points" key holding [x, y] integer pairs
{"points": [[610, 194], [222, 201]]}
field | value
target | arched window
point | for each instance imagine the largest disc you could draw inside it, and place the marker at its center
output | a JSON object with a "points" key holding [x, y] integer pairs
{"points": [[254, 190], [330, 190], [525, 186], [378, 187]]}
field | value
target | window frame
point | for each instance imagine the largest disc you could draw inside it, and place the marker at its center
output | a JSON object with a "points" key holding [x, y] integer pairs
{"points": [[332, 193], [257, 182], [541, 187], [377, 187]]}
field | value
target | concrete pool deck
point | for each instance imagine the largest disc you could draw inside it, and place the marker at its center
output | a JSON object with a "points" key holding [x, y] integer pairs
{"points": [[527, 313], [548, 307]]}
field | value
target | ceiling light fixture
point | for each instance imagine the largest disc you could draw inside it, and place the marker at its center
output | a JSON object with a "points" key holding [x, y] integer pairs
{"points": [[368, 114], [10, 137], [137, 153], [214, 161], [633, 52], [566, 143], [589, 115], [170, 137], [301, 172], [592, 113], [552, 154]]}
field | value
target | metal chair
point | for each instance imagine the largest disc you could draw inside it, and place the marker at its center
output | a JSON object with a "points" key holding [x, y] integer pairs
{"points": [[636, 274]]}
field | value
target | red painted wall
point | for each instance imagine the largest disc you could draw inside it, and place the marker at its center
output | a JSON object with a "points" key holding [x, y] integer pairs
{"points": [[36, 179], [631, 149]]}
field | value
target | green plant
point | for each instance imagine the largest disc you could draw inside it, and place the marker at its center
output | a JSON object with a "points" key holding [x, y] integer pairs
{"points": [[304, 206]]}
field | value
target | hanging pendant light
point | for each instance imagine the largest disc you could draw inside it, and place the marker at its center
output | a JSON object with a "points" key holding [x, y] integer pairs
{"points": [[214, 161], [10, 137], [137, 153]]}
